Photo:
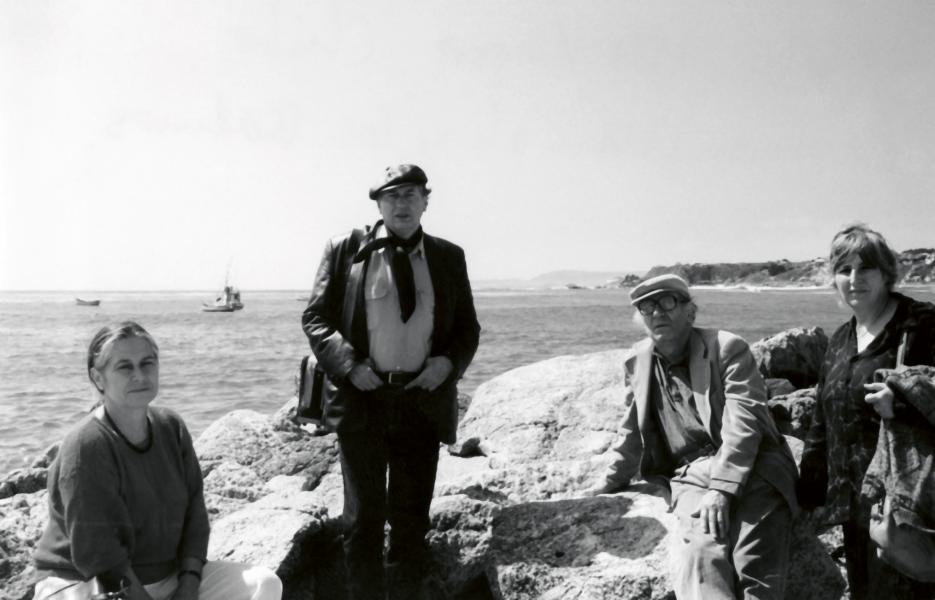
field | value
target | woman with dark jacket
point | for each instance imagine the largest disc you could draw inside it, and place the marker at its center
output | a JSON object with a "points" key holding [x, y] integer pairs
{"points": [[850, 405]]}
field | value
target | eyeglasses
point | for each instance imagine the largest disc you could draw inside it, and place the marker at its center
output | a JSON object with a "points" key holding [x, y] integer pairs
{"points": [[666, 303]]}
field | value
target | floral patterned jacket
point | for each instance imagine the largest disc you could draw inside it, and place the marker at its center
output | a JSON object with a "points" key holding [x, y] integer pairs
{"points": [[843, 434], [903, 466]]}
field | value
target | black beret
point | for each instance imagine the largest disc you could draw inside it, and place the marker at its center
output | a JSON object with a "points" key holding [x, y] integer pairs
{"points": [[396, 176]]}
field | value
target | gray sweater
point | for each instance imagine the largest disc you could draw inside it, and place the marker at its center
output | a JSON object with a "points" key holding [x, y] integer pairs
{"points": [[111, 506]]}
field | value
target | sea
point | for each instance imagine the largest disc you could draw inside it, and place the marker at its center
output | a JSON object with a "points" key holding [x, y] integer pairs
{"points": [[212, 363]]}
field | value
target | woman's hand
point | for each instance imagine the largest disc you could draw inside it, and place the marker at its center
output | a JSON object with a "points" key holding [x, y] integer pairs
{"points": [[188, 587], [880, 397]]}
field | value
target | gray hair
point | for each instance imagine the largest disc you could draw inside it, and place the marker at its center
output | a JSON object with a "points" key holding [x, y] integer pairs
{"points": [[102, 344]]}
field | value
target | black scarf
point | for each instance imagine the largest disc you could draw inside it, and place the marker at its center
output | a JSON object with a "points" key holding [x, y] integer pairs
{"points": [[399, 265]]}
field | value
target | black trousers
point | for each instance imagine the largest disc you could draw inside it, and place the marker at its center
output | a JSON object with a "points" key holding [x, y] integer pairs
{"points": [[389, 475]]}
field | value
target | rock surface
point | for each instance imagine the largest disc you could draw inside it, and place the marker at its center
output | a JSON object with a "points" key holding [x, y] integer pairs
{"points": [[543, 539], [252, 440], [269, 532], [24, 481], [795, 354], [508, 521], [566, 407], [793, 412], [23, 518], [605, 547]]}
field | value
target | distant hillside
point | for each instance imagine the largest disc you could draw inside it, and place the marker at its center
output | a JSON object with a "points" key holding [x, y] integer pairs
{"points": [[916, 266], [559, 279], [554, 279]]}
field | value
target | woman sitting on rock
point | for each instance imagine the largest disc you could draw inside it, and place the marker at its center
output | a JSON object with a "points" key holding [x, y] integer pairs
{"points": [[850, 405], [126, 509]]}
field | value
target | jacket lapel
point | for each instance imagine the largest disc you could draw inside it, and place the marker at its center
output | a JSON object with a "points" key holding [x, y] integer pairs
{"points": [[354, 306], [439, 290], [701, 381], [642, 376]]}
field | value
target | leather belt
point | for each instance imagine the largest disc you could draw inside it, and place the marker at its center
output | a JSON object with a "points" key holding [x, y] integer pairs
{"points": [[396, 377]]}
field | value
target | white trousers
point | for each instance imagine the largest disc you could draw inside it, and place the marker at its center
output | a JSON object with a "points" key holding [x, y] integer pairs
{"points": [[220, 580]]}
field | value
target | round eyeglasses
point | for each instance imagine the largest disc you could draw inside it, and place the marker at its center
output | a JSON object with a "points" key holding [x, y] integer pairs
{"points": [[666, 303]]}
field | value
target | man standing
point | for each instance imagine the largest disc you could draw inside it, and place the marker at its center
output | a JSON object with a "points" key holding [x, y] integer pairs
{"points": [[391, 320], [697, 422]]}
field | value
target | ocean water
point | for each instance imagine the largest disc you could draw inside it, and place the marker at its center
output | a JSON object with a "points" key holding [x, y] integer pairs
{"points": [[212, 363]]}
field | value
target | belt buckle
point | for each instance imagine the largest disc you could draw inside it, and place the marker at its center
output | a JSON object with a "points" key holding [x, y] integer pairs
{"points": [[396, 378]]}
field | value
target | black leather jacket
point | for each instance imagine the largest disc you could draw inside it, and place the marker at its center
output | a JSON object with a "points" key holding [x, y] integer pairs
{"points": [[335, 322]]}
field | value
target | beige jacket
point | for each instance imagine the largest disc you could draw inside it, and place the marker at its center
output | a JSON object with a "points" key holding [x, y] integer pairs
{"points": [[730, 396]]}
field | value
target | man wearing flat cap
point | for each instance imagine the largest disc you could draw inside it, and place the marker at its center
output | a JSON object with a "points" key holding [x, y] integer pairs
{"points": [[697, 423], [391, 321]]}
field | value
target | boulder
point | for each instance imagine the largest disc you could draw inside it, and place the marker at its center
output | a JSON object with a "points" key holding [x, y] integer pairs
{"points": [[460, 539], [229, 486], [609, 547], [778, 387], [545, 430], [566, 407], [252, 440], [606, 547], [795, 354], [45, 459], [24, 481], [23, 518], [793, 412], [269, 532], [527, 482]]}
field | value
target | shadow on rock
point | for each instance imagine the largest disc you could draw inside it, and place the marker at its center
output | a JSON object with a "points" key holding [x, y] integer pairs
{"points": [[570, 533]]}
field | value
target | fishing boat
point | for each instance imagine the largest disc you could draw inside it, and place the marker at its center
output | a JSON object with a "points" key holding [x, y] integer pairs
{"points": [[228, 300], [81, 302]]}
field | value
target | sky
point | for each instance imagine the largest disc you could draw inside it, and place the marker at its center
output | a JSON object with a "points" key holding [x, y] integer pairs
{"points": [[150, 145]]}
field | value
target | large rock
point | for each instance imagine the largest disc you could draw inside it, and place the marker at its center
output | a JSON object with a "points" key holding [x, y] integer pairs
{"points": [[794, 354], [23, 518], [24, 481], [566, 407], [545, 430], [608, 547], [793, 412], [460, 539], [778, 387], [527, 482], [269, 532], [251, 440], [229, 486]]}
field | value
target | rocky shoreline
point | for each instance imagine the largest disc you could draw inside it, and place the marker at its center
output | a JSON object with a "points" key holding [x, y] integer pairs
{"points": [[508, 521], [916, 267]]}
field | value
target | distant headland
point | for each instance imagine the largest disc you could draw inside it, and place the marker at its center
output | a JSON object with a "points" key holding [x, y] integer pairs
{"points": [[916, 267]]}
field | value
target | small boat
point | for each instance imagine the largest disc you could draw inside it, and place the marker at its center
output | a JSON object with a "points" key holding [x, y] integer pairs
{"points": [[228, 299], [81, 302], [214, 308]]}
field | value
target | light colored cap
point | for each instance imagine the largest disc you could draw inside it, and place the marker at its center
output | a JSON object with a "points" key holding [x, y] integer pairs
{"points": [[667, 283]]}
